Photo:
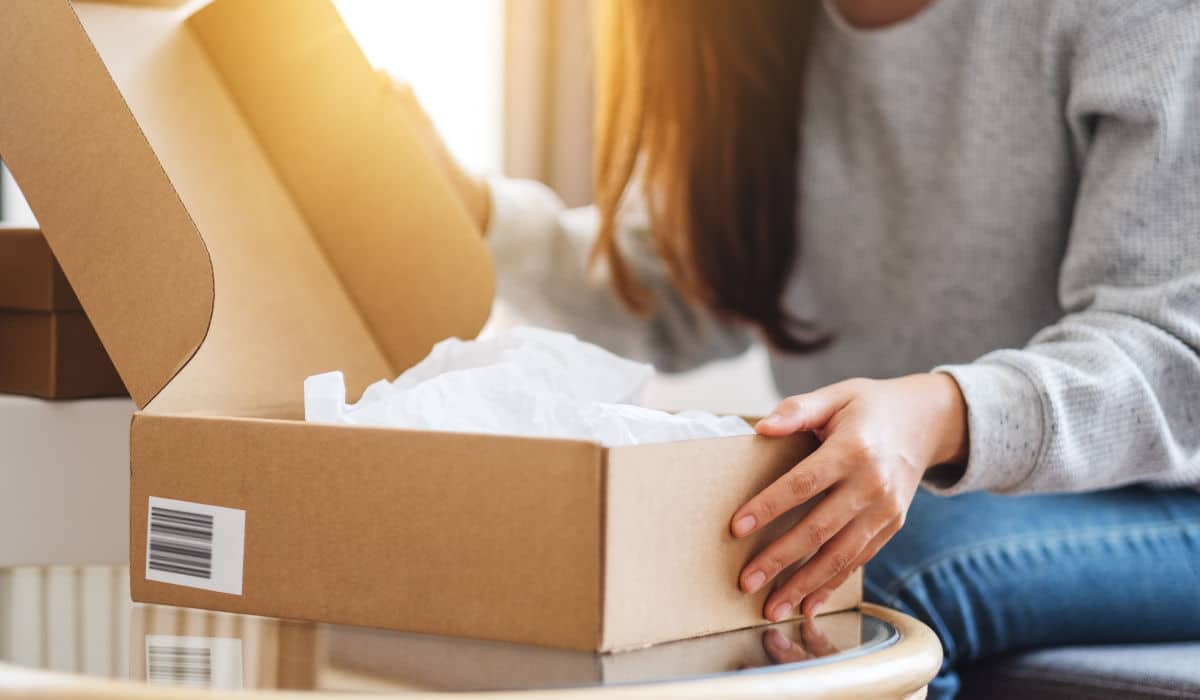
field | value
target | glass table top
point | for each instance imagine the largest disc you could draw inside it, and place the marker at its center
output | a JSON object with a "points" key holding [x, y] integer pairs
{"points": [[79, 620]]}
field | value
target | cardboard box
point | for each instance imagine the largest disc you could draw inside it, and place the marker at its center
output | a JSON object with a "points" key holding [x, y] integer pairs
{"points": [[47, 346], [273, 219], [30, 277], [65, 476]]}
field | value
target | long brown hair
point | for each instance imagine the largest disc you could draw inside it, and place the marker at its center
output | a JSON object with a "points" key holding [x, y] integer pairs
{"points": [[698, 105]]}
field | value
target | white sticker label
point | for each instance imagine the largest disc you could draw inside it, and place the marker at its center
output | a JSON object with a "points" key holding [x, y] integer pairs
{"points": [[195, 662], [196, 545]]}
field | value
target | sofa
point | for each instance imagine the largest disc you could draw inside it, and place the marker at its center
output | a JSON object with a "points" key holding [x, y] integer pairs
{"points": [[1133, 672]]}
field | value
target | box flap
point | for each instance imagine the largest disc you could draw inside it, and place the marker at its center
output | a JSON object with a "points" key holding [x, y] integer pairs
{"points": [[30, 277], [405, 249], [334, 243], [104, 204]]}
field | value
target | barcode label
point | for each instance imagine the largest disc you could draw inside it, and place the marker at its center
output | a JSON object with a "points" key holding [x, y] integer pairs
{"points": [[181, 542], [196, 545], [195, 662]]}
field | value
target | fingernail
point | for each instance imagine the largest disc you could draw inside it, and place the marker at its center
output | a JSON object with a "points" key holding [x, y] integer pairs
{"points": [[817, 606], [755, 581], [744, 525], [769, 422], [780, 611]]}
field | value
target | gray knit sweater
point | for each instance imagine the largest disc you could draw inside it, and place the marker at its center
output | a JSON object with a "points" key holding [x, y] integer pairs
{"points": [[1005, 190]]}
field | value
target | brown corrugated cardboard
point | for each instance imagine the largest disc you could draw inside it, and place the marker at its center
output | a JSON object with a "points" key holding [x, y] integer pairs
{"points": [[104, 203], [30, 277], [668, 509], [54, 355], [273, 219], [47, 346]]}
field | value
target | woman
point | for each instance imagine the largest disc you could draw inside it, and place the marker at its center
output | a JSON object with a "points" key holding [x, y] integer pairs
{"points": [[998, 205]]}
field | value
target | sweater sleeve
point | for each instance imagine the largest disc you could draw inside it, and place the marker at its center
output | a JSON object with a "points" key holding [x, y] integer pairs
{"points": [[541, 248], [1110, 395]]}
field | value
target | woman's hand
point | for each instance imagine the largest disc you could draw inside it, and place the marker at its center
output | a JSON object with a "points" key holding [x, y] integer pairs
{"points": [[471, 189], [877, 440]]}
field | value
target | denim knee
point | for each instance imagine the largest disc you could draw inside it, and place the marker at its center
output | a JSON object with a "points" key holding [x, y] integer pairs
{"points": [[917, 573]]}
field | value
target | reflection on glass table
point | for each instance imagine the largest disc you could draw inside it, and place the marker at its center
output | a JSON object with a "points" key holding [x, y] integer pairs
{"points": [[79, 620]]}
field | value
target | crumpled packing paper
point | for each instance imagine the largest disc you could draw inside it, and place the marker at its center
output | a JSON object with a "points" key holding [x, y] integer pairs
{"points": [[527, 381]]}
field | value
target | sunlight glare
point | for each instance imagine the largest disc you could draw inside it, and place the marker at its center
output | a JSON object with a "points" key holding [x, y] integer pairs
{"points": [[452, 52]]}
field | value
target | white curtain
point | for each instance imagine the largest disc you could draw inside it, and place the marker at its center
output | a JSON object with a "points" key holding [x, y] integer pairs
{"points": [[548, 95]]}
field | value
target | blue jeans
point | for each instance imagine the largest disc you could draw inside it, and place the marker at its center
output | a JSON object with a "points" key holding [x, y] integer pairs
{"points": [[991, 574]]}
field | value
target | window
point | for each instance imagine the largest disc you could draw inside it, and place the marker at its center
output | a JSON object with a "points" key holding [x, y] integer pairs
{"points": [[453, 55]]}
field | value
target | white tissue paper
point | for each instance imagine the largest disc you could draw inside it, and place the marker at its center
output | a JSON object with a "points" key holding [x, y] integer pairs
{"points": [[528, 381]]}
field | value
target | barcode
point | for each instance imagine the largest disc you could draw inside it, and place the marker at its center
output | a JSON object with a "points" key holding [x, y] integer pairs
{"points": [[181, 542], [195, 544], [174, 665], [198, 662]]}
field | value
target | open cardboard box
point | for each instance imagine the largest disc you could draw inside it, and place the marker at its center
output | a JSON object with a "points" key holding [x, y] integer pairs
{"points": [[236, 200]]}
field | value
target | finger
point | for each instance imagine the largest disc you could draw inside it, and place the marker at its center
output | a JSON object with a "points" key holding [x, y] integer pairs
{"points": [[815, 640], [827, 518], [813, 475], [815, 601], [782, 650], [834, 559], [805, 411]]}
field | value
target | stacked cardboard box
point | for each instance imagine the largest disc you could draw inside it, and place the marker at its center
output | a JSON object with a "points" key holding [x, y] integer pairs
{"points": [[47, 346], [64, 463]]}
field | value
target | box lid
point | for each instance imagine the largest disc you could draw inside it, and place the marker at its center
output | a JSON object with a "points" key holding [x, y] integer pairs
{"points": [[30, 277], [235, 197]]}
